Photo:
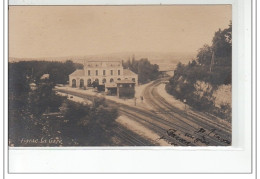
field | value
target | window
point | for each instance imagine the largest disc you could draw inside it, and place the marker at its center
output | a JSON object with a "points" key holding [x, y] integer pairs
{"points": [[111, 72], [133, 79], [104, 72], [88, 72], [73, 83], [104, 81], [81, 83], [111, 80], [118, 72], [89, 82], [97, 81], [96, 72]]}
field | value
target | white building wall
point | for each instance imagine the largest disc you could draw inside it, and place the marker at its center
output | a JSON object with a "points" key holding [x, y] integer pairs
{"points": [[77, 78], [100, 75]]}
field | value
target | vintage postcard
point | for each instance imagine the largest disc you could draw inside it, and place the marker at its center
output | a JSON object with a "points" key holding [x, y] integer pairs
{"points": [[157, 75]]}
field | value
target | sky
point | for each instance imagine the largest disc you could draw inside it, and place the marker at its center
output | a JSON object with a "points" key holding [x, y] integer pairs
{"points": [[58, 31]]}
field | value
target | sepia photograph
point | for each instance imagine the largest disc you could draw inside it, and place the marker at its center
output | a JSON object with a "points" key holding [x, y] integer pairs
{"points": [[128, 75]]}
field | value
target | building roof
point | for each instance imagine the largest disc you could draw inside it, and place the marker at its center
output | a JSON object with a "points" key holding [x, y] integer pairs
{"points": [[103, 63], [110, 85], [77, 73], [127, 72], [125, 81]]}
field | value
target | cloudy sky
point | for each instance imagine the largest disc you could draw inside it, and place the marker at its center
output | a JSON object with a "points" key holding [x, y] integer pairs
{"points": [[53, 31]]}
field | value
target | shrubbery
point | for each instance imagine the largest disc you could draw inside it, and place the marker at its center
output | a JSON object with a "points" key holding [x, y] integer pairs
{"points": [[197, 81], [89, 125], [21, 71], [77, 124], [40, 113], [145, 70]]}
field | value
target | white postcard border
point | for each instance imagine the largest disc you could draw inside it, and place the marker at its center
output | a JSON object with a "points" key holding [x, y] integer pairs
{"points": [[148, 159]]}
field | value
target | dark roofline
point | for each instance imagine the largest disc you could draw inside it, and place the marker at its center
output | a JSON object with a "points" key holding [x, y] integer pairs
{"points": [[104, 61], [124, 81]]}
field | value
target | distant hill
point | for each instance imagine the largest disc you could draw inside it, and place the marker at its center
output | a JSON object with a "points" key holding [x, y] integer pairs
{"points": [[164, 60]]}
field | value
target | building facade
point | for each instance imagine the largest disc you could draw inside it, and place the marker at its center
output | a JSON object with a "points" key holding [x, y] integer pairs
{"points": [[106, 73], [126, 89]]}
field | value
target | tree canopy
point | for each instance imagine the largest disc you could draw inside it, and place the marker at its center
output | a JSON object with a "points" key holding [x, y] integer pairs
{"points": [[145, 70], [212, 66], [41, 113]]}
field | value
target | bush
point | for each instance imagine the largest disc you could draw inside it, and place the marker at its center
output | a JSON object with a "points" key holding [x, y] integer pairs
{"points": [[145, 70], [197, 80], [91, 124]]}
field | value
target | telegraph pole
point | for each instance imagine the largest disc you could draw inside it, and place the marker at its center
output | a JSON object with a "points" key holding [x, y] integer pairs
{"points": [[212, 61]]}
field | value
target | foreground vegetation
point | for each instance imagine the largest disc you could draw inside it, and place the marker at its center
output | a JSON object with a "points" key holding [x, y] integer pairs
{"points": [[39, 117], [145, 70], [196, 82]]}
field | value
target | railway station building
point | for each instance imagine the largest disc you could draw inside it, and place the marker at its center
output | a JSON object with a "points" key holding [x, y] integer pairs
{"points": [[108, 75]]}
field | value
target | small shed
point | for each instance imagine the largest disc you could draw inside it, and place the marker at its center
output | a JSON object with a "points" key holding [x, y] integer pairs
{"points": [[125, 88], [111, 89]]}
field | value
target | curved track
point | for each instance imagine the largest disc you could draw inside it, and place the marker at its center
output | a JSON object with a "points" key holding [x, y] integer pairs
{"points": [[187, 121], [166, 117]]}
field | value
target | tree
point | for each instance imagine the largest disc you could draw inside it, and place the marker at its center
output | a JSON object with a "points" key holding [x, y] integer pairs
{"points": [[213, 66], [204, 55], [145, 70], [222, 42]]}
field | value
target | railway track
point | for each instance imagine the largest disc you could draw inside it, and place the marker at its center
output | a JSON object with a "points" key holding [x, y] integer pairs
{"points": [[202, 117], [189, 122], [155, 127], [121, 134], [147, 118], [170, 117], [129, 138]]}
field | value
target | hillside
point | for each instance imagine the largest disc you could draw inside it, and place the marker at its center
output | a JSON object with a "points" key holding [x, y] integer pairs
{"points": [[164, 60]]}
